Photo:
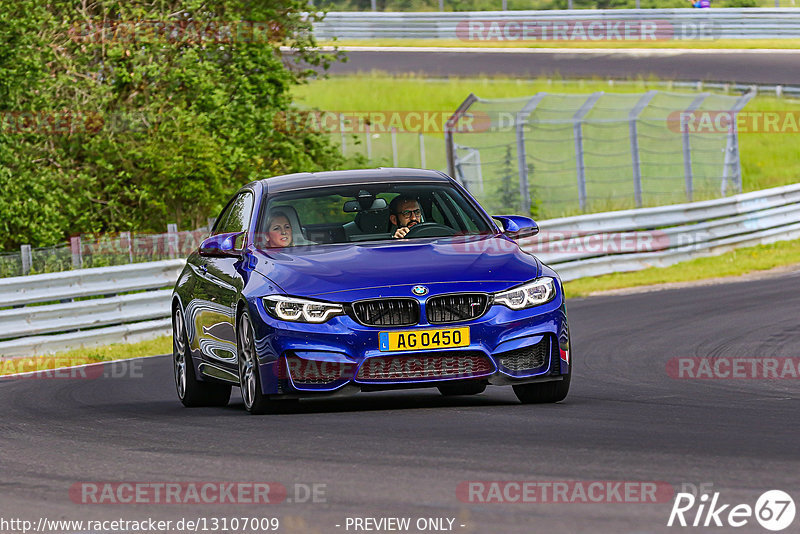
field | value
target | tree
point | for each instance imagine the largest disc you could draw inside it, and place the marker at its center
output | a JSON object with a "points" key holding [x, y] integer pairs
{"points": [[147, 113]]}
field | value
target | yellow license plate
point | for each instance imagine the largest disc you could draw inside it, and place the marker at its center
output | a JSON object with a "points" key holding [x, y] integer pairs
{"points": [[441, 338]]}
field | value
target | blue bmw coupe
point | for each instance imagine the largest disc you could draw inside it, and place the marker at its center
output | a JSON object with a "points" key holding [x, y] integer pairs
{"points": [[338, 282]]}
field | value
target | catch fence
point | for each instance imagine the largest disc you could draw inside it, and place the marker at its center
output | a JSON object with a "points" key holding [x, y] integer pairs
{"points": [[102, 250], [553, 155]]}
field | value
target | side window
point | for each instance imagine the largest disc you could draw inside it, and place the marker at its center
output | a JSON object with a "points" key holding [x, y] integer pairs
{"points": [[442, 212], [436, 214], [236, 217], [454, 211], [220, 222]]}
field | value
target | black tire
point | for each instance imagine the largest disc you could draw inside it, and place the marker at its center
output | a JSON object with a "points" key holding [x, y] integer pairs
{"points": [[464, 388], [192, 392], [254, 399], [253, 396], [544, 392]]}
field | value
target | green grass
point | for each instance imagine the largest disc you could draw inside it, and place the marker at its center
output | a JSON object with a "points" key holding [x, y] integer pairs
{"points": [[88, 355], [768, 159], [715, 44], [735, 263]]}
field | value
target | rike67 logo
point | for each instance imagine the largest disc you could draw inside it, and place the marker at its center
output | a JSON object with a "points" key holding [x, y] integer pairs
{"points": [[774, 510]]}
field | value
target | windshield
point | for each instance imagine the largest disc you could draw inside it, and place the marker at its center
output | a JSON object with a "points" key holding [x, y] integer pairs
{"points": [[367, 212]]}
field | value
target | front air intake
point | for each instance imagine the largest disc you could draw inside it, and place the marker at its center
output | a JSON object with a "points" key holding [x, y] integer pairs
{"points": [[387, 312], [455, 308]]}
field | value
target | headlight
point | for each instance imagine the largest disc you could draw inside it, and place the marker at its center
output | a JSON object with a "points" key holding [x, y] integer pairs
{"points": [[540, 291], [301, 310]]}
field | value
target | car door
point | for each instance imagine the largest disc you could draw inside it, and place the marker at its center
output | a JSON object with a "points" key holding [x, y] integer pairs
{"points": [[218, 288]]}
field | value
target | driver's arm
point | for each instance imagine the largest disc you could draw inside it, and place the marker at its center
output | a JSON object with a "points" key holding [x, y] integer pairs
{"points": [[401, 232]]}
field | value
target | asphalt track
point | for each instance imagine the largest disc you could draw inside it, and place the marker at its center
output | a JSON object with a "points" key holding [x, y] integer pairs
{"points": [[729, 66], [403, 454]]}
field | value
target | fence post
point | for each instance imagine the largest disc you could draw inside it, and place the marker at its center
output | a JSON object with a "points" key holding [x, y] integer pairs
{"points": [[77, 252], [450, 125], [633, 117], [687, 146], [505, 5], [732, 161], [27, 259], [172, 236], [394, 147], [211, 221], [522, 158], [577, 128], [127, 237], [369, 143], [422, 162], [344, 137]]}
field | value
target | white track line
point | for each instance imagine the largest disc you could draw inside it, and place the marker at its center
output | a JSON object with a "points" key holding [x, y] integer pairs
{"points": [[53, 356]]}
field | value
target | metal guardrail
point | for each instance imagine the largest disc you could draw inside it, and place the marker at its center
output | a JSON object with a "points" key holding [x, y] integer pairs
{"points": [[631, 240], [681, 24], [118, 304], [25, 290], [586, 245], [37, 320], [677, 214]]}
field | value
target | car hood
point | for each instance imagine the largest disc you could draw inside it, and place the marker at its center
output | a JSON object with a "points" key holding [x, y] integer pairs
{"points": [[347, 272]]}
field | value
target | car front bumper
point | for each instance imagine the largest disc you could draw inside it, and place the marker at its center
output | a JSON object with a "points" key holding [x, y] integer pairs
{"points": [[342, 357]]}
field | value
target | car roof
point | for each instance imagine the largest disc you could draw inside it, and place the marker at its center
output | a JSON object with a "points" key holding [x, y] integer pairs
{"points": [[306, 180]]}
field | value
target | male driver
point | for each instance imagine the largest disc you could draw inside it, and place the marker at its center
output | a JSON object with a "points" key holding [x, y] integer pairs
{"points": [[405, 213]]}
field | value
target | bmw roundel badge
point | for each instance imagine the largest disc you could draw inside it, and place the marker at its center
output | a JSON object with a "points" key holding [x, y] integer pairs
{"points": [[419, 290]]}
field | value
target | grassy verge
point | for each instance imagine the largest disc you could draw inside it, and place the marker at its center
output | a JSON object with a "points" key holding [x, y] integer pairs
{"points": [[715, 44], [83, 356], [735, 263], [768, 159]]}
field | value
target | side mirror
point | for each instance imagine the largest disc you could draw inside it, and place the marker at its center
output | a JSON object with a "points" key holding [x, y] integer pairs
{"points": [[516, 226], [228, 244]]}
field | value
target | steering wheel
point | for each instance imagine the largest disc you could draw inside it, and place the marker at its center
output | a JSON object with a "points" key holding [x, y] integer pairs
{"points": [[430, 229]]}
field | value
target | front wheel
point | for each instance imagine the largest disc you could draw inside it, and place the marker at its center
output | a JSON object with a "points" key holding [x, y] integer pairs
{"points": [[192, 392], [254, 399], [544, 392]]}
